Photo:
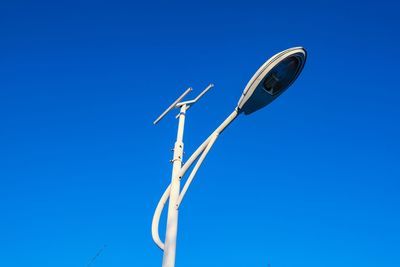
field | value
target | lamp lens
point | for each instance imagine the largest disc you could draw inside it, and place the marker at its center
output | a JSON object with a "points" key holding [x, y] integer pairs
{"points": [[282, 75]]}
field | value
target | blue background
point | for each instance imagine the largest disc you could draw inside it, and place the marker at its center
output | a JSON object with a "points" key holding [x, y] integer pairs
{"points": [[311, 180]]}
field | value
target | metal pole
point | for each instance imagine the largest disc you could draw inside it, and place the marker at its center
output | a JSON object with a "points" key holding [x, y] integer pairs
{"points": [[172, 220], [201, 151]]}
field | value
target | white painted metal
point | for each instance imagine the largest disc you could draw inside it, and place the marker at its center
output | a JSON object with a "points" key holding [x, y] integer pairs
{"points": [[191, 102], [196, 168], [203, 146], [173, 105], [172, 219], [156, 218], [202, 151], [173, 190], [204, 92]]}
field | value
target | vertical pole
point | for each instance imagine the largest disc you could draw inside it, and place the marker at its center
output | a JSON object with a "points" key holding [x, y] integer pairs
{"points": [[172, 220]]}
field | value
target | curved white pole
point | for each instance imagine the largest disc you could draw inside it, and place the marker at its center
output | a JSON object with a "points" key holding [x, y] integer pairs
{"points": [[165, 196], [203, 146], [178, 172], [196, 168], [156, 218]]}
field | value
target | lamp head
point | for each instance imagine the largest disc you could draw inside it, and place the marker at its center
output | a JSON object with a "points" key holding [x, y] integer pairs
{"points": [[272, 79]]}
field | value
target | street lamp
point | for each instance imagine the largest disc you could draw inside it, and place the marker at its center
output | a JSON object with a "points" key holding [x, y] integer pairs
{"points": [[269, 82]]}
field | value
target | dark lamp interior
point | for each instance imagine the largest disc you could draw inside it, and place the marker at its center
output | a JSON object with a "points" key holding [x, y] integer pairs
{"points": [[282, 75]]}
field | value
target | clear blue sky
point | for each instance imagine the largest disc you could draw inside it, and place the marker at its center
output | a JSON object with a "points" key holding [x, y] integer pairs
{"points": [[311, 180]]}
